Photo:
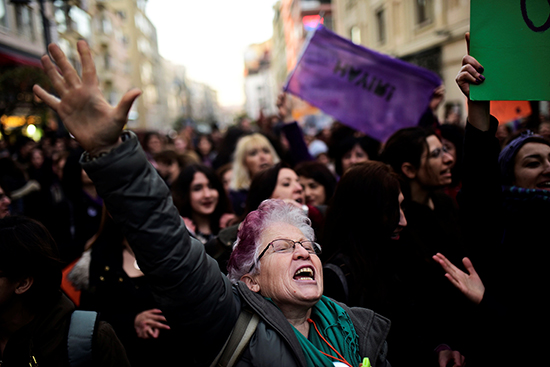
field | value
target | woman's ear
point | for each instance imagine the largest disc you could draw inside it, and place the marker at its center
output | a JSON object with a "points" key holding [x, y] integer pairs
{"points": [[24, 285], [251, 282], [408, 170]]}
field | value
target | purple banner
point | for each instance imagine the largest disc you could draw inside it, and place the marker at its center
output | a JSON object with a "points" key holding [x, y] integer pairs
{"points": [[369, 91]]}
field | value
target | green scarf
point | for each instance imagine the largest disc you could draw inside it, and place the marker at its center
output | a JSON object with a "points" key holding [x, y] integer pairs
{"points": [[336, 327]]}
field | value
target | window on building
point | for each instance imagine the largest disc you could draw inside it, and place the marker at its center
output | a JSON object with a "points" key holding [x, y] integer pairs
{"points": [[3, 14], [381, 25], [81, 22], [355, 35], [105, 24], [424, 11], [61, 15], [24, 21]]}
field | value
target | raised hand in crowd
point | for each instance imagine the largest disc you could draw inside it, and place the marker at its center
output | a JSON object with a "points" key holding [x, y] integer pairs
{"points": [[94, 123], [471, 73], [284, 105], [469, 283], [149, 323]]}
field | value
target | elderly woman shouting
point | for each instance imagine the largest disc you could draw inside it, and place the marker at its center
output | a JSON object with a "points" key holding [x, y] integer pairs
{"points": [[275, 271]]}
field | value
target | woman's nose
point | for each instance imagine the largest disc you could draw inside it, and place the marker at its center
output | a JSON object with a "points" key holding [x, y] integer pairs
{"points": [[300, 252], [448, 158]]}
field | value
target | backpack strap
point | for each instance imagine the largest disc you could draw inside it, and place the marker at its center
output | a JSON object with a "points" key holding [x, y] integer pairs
{"points": [[79, 341], [238, 340]]}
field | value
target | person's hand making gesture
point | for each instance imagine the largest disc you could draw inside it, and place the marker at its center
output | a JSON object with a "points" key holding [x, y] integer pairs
{"points": [[469, 283], [94, 123]]}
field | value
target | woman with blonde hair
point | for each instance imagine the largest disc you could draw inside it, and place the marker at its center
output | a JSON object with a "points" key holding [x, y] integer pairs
{"points": [[253, 154]]}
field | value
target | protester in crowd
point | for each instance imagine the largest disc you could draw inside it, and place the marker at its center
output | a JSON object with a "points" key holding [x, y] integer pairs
{"points": [[113, 285], [253, 154], [225, 173], [227, 147], [270, 274], [152, 144], [317, 182], [34, 315], [277, 182], [544, 128], [452, 138], [181, 145], [201, 201], [364, 266], [348, 147], [204, 146], [318, 150], [290, 134], [417, 155], [170, 164], [504, 205], [4, 203], [75, 219], [364, 263], [15, 181]]}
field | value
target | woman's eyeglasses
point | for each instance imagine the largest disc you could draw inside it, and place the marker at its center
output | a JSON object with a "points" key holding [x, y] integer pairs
{"points": [[283, 245]]}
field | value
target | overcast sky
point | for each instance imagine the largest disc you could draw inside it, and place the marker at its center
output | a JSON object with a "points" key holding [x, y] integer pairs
{"points": [[209, 37]]}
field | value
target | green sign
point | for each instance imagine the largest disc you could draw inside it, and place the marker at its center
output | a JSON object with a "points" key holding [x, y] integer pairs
{"points": [[511, 39]]}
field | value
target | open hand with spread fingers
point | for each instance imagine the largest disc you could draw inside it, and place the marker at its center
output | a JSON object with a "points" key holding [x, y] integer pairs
{"points": [[469, 283], [94, 123]]}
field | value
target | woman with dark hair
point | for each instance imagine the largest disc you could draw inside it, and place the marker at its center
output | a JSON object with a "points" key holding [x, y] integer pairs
{"points": [[348, 147], [201, 201], [152, 144], [423, 164], [317, 181], [452, 138], [204, 146], [417, 155]]}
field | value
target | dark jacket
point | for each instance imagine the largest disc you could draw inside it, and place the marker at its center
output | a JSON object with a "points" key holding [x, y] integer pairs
{"points": [[507, 235], [45, 340], [199, 302]]}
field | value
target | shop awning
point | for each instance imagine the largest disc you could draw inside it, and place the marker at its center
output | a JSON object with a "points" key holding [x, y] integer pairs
{"points": [[9, 56]]}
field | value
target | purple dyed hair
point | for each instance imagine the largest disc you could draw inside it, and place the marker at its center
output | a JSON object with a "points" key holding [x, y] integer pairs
{"points": [[248, 245]]}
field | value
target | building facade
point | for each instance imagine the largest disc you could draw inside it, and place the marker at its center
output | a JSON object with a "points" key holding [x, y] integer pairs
{"points": [[145, 64], [428, 33]]}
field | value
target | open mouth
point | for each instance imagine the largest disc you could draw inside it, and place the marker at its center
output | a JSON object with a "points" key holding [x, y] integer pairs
{"points": [[544, 185], [305, 273], [299, 200]]}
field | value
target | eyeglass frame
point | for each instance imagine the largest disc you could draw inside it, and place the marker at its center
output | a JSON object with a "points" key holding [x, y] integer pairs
{"points": [[316, 247]]}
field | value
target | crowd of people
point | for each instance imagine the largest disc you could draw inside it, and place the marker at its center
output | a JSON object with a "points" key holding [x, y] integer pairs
{"points": [[421, 250]]}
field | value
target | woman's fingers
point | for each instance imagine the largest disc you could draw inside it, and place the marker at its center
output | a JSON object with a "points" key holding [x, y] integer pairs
{"points": [[53, 74], [469, 60], [125, 104], [469, 266], [70, 76], [89, 76], [49, 99]]}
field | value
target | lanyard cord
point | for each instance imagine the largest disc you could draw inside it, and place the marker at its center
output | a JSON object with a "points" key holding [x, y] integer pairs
{"points": [[341, 359]]}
